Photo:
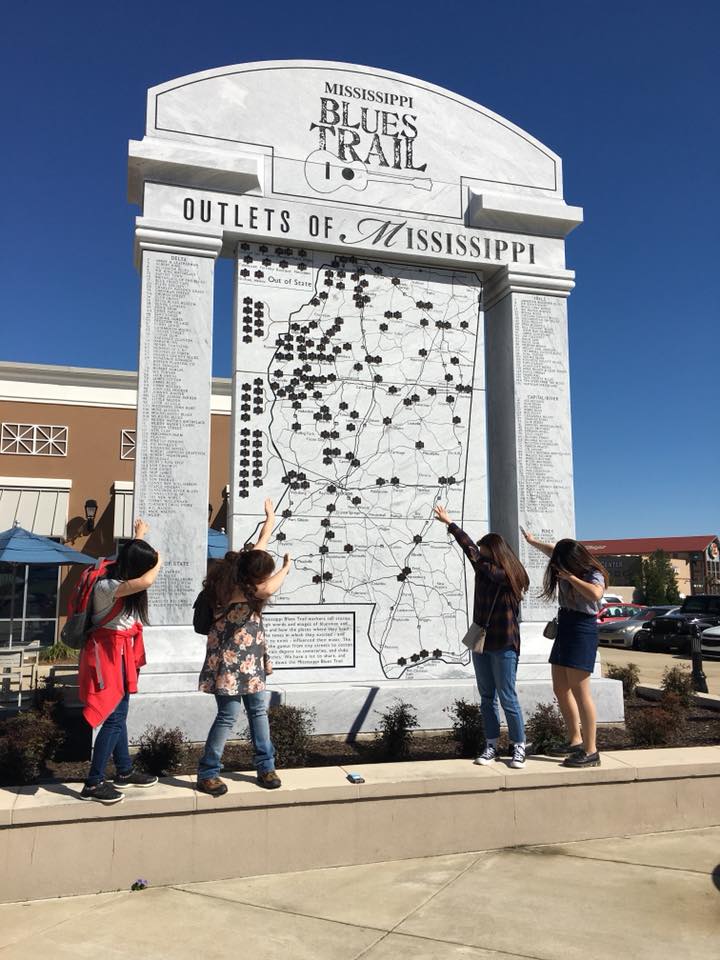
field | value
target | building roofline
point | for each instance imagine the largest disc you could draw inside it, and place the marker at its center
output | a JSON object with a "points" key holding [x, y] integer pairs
{"points": [[85, 376]]}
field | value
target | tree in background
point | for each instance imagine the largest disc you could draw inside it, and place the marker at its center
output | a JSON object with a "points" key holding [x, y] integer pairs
{"points": [[657, 580]]}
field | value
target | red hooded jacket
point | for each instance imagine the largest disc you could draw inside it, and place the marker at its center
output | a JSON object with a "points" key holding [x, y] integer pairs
{"points": [[101, 670]]}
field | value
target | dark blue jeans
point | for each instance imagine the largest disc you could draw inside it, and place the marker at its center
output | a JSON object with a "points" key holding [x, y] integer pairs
{"points": [[111, 741], [228, 712], [495, 672]]}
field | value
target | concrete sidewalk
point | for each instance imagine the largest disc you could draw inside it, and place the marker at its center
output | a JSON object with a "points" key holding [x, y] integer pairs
{"points": [[641, 897]]}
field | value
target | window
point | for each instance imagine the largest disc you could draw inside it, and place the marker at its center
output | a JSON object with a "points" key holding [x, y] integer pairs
{"points": [[28, 605], [127, 444], [34, 439]]}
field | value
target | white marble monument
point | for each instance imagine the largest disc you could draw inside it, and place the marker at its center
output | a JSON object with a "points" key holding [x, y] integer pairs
{"points": [[400, 341]]}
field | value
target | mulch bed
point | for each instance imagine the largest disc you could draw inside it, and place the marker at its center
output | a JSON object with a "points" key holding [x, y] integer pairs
{"points": [[701, 727]]}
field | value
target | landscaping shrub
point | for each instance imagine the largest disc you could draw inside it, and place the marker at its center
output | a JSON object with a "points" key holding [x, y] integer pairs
{"points": [[678, 680], [629, 676], [162, 750], [545, 729], [672, 703], [27, 740], [395, 731], [58, 653], [291, 729], [653, 726], [467, 727]]}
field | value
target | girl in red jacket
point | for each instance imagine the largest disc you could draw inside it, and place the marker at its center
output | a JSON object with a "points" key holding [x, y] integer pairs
{"points": [[110, 662]]}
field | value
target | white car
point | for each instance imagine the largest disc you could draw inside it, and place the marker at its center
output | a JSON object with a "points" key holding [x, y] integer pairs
{"points": [[624, 633], [710, 641], [611, 598]]}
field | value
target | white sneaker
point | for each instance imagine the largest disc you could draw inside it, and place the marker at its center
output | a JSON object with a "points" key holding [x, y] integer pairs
{"points": [[489, 754], [518, 756]]}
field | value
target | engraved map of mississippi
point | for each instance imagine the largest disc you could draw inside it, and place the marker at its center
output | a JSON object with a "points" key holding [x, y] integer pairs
{"points": [[359, 406]]}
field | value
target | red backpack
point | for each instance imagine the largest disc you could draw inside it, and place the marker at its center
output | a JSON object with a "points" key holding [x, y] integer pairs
{"points": [[79, 623]]}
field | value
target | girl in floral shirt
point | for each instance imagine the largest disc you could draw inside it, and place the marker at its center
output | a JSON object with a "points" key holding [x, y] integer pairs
{"points": [[236, 663]]}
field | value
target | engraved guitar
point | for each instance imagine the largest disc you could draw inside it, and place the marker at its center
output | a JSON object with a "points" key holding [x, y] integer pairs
{"points": [[326, 174]]}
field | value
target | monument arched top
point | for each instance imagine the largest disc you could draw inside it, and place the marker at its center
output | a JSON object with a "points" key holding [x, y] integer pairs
{"points": [[354, 135]]}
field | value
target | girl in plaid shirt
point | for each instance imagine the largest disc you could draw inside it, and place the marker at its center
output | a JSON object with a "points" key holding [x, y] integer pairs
{"points": [[500, 583]]}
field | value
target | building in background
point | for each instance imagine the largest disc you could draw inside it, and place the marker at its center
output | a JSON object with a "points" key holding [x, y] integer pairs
{"points": [[67, 452], [696, 560]]}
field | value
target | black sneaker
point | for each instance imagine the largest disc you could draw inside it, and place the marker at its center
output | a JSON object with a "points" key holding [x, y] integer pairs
{"points": [[101, 792], [582, 759], [134, 779], [489, 754]]}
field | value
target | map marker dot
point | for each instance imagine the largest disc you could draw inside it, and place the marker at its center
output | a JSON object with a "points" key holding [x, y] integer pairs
{"points": [[417, 538], [401, 661]]}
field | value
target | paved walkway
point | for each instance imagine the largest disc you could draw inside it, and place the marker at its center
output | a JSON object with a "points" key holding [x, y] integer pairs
{"points": [[643, 897], [652, 665]]}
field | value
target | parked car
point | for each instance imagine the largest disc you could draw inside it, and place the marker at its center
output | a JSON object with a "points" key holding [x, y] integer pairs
{"points": [[624, 633], [612, 598], [675, 631], [710, 641], [617, 611]]}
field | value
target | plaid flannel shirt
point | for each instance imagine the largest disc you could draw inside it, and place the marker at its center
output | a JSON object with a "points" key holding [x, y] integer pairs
{"points": [[502, 629]]}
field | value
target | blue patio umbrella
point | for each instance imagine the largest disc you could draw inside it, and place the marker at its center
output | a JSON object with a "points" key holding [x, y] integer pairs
{"points": [[217, 544], [19, 547]]}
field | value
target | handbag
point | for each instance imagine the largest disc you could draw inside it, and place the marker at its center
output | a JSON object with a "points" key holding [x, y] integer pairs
{"points": [[474, 639], [551, 629]]}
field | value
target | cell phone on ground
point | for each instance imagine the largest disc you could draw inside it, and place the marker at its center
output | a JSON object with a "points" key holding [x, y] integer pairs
{"points": [[355, 778]]}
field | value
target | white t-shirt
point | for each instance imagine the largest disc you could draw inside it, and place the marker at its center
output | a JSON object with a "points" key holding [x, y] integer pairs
{"points": [[103, 600]]}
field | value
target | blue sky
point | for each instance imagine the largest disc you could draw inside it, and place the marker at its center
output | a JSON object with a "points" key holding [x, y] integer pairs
{"points": [[626, 93]]}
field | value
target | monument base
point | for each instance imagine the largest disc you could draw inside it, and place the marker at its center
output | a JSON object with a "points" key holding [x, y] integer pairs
{"points": [[168, 694]]}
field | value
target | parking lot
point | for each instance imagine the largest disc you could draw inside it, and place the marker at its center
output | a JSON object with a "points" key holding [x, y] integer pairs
{"points": [[652, 665]]}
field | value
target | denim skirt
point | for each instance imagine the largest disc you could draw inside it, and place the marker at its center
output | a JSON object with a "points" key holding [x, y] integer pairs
{"points": [[576, 642]]}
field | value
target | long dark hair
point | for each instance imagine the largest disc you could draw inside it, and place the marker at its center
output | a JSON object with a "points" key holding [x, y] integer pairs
{"points": [[504, 557], [243, 572], [134, 559], [570, 557]]}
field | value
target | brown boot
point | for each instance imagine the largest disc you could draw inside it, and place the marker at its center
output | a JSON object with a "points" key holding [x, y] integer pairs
{"points": [[213, 786], [270, 780]]}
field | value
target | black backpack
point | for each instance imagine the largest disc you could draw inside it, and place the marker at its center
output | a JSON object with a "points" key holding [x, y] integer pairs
{"points": [[204, 615]]}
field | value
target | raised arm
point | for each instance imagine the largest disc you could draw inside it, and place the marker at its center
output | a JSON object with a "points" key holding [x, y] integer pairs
{"points": [[267, 527], [128, 587], [546, 548], [273, 583], [468, 545], [591, 591]]}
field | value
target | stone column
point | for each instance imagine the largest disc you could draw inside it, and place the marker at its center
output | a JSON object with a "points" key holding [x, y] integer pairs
{"points": [[529, 435], [173, 416]]}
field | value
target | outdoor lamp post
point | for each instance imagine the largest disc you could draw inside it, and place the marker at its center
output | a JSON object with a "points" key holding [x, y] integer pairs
{"points": [[90, 513]]}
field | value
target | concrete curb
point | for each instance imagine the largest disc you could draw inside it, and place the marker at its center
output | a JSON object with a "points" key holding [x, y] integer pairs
{"points": [[53, 845], [706, 700]]}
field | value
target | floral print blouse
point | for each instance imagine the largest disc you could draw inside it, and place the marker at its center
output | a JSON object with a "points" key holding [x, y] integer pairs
{"points": [[236, 661]]}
